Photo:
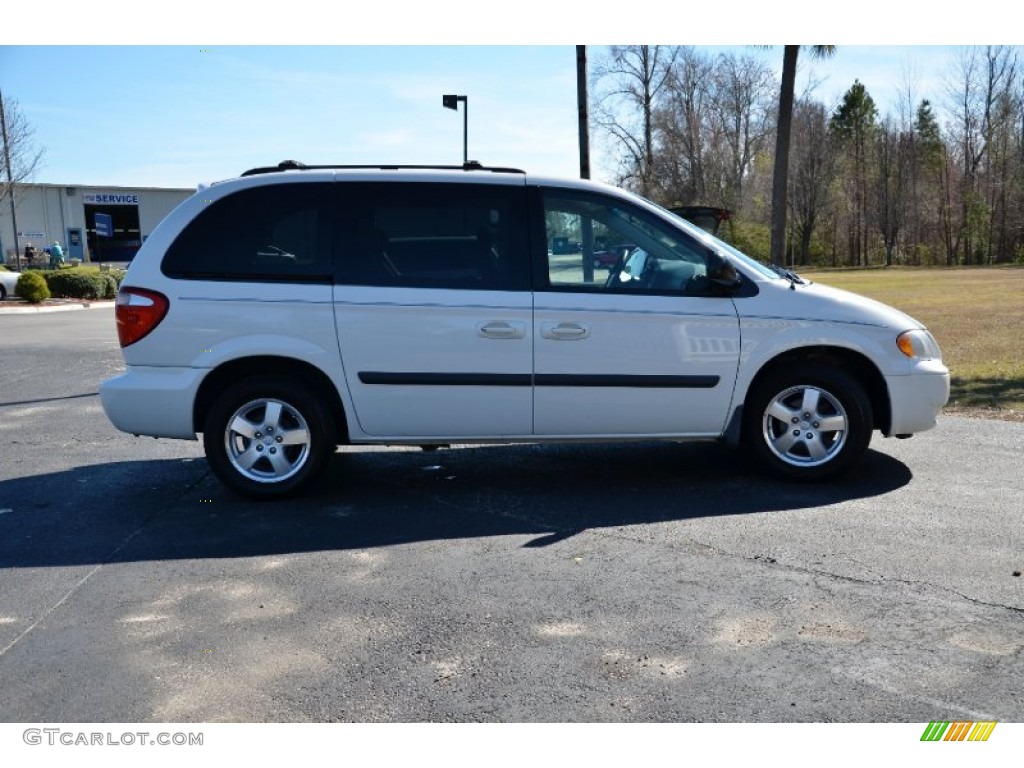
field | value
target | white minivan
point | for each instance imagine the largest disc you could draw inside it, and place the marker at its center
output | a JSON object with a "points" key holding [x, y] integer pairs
{"points": [[297, 308]]}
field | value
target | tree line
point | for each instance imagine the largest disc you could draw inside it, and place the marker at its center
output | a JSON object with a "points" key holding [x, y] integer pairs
{"points": [[940, 181]]}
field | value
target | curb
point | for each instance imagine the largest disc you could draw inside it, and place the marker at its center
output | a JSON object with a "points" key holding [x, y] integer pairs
{"points": [[24, 309]]}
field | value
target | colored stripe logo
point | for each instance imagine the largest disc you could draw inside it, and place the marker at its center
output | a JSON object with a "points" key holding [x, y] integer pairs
{"points": [[958, 731]]}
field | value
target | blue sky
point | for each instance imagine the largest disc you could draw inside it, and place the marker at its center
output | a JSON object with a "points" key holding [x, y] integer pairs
{"points": [[174, 111], [174, 116]]}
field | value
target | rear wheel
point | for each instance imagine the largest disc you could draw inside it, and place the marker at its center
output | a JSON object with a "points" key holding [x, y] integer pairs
{"points": [[268, 437], [809, 422]]}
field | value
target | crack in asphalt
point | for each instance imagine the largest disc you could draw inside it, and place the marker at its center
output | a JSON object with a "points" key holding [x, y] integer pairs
{"points": [[560, 533], [48, 399]]}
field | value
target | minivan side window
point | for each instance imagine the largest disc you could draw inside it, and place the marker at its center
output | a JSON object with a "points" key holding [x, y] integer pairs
{"points": [[432, 235], [602, 244], [279, 232]]}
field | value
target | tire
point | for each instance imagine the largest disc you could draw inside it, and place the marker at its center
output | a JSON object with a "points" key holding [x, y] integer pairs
{"points": [[268, 437], [3, 293], [808, 422]]}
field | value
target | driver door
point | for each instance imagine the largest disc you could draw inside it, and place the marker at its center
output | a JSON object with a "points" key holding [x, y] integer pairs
{"points": [[643, 347]]}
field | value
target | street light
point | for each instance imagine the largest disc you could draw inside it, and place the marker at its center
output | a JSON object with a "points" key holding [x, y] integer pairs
{"points": [[451, 101]]}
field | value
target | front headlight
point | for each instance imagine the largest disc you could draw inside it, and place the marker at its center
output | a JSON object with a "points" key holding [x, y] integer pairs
{"points": [[919, 345]]}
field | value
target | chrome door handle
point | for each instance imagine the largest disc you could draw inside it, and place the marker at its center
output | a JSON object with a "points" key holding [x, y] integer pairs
{"points": [[500, 329], [564, 331]]}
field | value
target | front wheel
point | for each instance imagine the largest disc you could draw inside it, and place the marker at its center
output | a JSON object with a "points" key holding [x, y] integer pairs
{"points": [[267, 437], [808, 423]]}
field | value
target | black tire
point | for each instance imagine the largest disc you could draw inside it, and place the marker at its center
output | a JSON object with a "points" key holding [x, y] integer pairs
{"points": [[268, 437], [807, 422], [3, 293]]}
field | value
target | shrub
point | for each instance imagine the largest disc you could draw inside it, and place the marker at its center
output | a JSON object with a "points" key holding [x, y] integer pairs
{"points": [[77, 284], [83, 282], [32, 287], [110, 285]]}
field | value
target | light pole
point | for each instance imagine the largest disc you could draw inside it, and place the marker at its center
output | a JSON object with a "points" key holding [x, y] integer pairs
{"points": [[451, 101]]}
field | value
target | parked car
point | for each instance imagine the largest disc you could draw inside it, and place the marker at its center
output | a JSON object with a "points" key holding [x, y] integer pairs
{"points": [[613, 255], [297, 308], [8, 282]]}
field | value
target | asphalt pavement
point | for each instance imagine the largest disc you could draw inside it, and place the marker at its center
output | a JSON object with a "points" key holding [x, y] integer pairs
{"points": [[647, 582]]}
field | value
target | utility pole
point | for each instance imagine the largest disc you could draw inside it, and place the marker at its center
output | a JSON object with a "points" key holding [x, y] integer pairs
{"points": [[10, 183], [584, 112], [587, 226]]}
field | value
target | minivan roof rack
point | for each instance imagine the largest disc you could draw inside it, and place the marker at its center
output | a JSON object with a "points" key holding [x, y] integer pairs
{"points": [[294, 165]]}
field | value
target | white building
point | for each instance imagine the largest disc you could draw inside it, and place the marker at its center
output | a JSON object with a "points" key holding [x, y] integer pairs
{"points": [[67, 214]]}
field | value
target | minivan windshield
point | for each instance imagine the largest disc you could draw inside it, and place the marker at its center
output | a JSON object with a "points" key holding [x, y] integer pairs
{"points": [[721, 245], [755, 265]]}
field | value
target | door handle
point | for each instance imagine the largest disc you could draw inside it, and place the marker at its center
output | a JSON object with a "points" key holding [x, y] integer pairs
{"points": [[500, 329], [564, 331]]}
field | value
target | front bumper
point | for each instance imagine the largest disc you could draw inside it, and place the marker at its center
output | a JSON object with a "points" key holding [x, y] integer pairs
{"points": [[916, 399]]}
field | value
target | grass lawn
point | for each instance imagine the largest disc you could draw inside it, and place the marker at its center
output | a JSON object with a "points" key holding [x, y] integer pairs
{"points": [[977, 315]]}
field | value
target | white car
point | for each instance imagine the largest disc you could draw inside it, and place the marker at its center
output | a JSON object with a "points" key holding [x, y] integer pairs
{"points": [[297, 308], [8, 281]]}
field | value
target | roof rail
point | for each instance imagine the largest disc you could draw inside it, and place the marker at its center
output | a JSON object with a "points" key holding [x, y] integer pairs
{"points": [[294, 165]]}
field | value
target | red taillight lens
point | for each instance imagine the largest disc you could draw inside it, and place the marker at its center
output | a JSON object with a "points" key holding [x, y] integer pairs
{"points": [[138, 312]]}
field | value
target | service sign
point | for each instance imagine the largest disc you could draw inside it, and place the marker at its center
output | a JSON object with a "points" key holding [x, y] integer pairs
{"points": [[110, 198]]}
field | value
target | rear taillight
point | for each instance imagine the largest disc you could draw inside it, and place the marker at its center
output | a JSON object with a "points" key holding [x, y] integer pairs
{"points": [[138, 312]]}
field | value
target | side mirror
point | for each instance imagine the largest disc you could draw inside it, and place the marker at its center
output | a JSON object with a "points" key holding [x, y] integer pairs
{"points": [[723, 274]]}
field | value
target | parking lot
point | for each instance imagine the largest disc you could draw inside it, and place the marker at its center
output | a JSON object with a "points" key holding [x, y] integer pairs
{"points": [[594, 582]]}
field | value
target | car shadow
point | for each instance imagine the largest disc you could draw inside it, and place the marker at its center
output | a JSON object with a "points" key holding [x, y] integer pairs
{"points": [[175, 509]]}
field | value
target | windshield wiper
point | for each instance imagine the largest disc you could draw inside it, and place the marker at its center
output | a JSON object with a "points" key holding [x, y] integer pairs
{"points": [[793, 277]]}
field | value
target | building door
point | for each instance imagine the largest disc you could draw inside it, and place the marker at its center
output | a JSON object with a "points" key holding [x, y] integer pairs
{"points": [[76, 248]]}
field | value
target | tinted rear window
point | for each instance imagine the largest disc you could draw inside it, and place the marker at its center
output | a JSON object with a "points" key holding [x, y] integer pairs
{"points": [[432, 235], [273, 232]]}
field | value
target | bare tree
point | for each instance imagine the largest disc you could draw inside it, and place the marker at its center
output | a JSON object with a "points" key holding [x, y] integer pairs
{"points": [[743, 110], [20, 159], [683, 127], [927, 185], [893, 154], [633, 79], [985, 78], [713, 121], [21, 156], [814, 167]]}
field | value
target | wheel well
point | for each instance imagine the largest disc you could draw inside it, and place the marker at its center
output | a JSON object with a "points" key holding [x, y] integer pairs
{"points": [[853, 363], [235, 370]]}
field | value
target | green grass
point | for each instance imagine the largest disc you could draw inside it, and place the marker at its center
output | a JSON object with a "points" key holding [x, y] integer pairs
{"points": [[977, 315]]}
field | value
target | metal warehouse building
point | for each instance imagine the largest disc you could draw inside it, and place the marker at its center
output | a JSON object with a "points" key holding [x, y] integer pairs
{"points": [[67, 214]]}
